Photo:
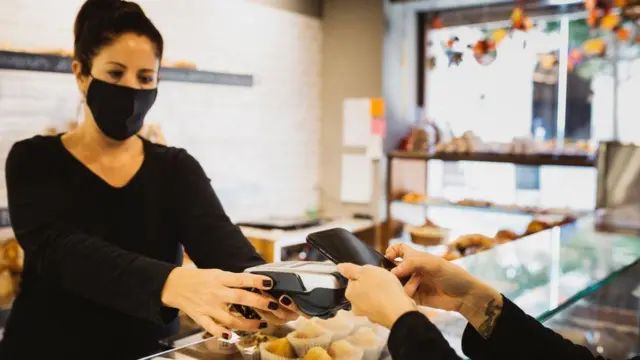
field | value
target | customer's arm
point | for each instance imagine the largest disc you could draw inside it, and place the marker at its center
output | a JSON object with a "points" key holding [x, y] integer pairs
{"points": [[414, 337], [497, 328], [514, 335]]}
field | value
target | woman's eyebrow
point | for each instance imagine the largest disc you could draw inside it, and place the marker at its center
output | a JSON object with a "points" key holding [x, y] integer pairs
{"points": [[117, 63]]}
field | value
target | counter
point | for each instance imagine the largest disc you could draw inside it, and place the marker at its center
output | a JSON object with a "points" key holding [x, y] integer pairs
{"points": [[269, 243], [547, 274]]}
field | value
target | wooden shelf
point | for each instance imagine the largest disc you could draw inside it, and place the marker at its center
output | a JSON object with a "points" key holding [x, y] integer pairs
{"points": [[10, 60], [533, 160]]}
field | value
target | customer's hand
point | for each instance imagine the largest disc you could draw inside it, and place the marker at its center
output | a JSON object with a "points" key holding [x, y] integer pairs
{"points": [[376, 293], [205, 296], [441, 284]]}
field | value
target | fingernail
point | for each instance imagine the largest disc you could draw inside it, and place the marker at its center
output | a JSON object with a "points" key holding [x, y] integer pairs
{"points": [[267, 283], [263, 325], [226, 336], [273, 305], [285, 301]]}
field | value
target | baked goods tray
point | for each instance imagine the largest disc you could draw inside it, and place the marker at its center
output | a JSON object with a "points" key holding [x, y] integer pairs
{"points": [[241, 346]]}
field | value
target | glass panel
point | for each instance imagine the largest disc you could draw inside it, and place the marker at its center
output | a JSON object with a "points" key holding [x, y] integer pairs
{"points": [[545, 272]]}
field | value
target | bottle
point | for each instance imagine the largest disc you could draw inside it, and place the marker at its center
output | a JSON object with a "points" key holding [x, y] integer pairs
{"points": [[539, 133]]}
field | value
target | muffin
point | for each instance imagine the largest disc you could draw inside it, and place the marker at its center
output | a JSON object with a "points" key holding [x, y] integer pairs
{"points": [[338, 327], [357, 321], [308, 336], [367, 340], [317, 354], [279, 349], [343, 350]]}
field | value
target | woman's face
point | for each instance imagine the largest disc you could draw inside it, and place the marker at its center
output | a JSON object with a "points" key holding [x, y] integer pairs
{"points": [[130, 60]]}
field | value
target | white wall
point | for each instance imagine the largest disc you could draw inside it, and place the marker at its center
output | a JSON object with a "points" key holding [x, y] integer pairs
{"points": [[259, 145]]}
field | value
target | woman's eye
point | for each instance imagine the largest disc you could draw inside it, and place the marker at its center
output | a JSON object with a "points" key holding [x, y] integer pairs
{"points": [[116, 74], [146, 79]]}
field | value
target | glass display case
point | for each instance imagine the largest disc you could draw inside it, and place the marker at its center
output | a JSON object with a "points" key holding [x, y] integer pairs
{"points": [[552, 275]]}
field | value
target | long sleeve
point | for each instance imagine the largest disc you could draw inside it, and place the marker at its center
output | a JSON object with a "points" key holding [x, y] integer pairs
{"points": [[60, 255], [414, 337], [207, 233], [519, 336]]}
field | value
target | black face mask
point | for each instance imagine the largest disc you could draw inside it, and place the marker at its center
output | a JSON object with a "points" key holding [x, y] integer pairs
{"points": [[119, 111]]}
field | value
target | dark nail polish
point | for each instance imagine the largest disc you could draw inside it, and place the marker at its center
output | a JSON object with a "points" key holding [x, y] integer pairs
{"points": [[226, 336], [285, 301], [273, 306], [267, 283], [263, 325]]}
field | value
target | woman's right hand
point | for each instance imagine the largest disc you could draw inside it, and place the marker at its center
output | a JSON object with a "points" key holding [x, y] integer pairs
{"points": [[205, 296], [440, 284]]}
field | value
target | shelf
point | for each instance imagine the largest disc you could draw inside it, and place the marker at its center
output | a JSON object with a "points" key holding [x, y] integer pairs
{"points": [[10, 60], [534, 160]]}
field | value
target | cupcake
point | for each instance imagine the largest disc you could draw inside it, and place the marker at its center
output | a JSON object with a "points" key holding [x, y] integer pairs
{"points": [[365, 338], [249, 346], [279, 349], [357, 321], [338, 327], [343, 350], [317, 354], [308, 336]]}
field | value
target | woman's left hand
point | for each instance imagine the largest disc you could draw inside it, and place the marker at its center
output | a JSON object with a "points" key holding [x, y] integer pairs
{"points": [[376, 293], [284, 314]]}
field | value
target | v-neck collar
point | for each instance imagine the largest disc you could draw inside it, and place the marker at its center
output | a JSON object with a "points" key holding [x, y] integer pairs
{"points": [[100, 179]]}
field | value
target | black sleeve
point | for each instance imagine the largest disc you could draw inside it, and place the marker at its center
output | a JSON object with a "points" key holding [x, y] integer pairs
{"points": [[519, 336], [414, 337], [60, 255], [210, 239]]}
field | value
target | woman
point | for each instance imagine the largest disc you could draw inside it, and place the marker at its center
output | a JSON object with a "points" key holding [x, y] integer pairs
{"points": [[102, 214], [497, 328]]}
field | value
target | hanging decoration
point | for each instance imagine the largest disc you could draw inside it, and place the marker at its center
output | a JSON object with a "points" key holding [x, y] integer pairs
{"points": [[436, 22], [484, 51], [454, 55], [519, 21], [595, 47], [576, 57]]}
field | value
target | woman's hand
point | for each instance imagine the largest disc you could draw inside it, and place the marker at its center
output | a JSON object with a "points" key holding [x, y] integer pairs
{"points": [[441, 284], [205, 296], [376, 293]]}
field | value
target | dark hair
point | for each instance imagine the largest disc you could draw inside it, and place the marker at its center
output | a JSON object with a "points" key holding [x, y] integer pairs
{"points": [[99, 22]]}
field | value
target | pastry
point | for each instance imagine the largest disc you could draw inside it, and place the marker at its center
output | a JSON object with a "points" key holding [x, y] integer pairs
{"points": [[366, 339], [280, 347], [472, 244], [308, 336], [506, 235], [338, 327], [317, 353], [343, 350]]}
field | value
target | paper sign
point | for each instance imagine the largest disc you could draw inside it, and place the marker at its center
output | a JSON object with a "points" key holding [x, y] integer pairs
{"points": [[356, 122], [357, 179], [378, 126], [374, 150], [377, 108]]}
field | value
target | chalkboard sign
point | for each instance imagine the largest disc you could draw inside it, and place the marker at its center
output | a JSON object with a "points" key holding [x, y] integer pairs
{"points": [[61, 64]]}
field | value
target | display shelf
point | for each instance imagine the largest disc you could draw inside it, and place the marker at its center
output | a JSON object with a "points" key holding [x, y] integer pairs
{"points": [[546, 274], [518, 159], [10, 60]]}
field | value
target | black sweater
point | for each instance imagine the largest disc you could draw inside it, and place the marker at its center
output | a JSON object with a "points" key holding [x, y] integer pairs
{"points": [[97, 257], [515, 336]]}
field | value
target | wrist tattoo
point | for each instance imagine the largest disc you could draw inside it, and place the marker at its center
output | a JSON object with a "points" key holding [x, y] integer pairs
{"points": [[492, 312]]}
